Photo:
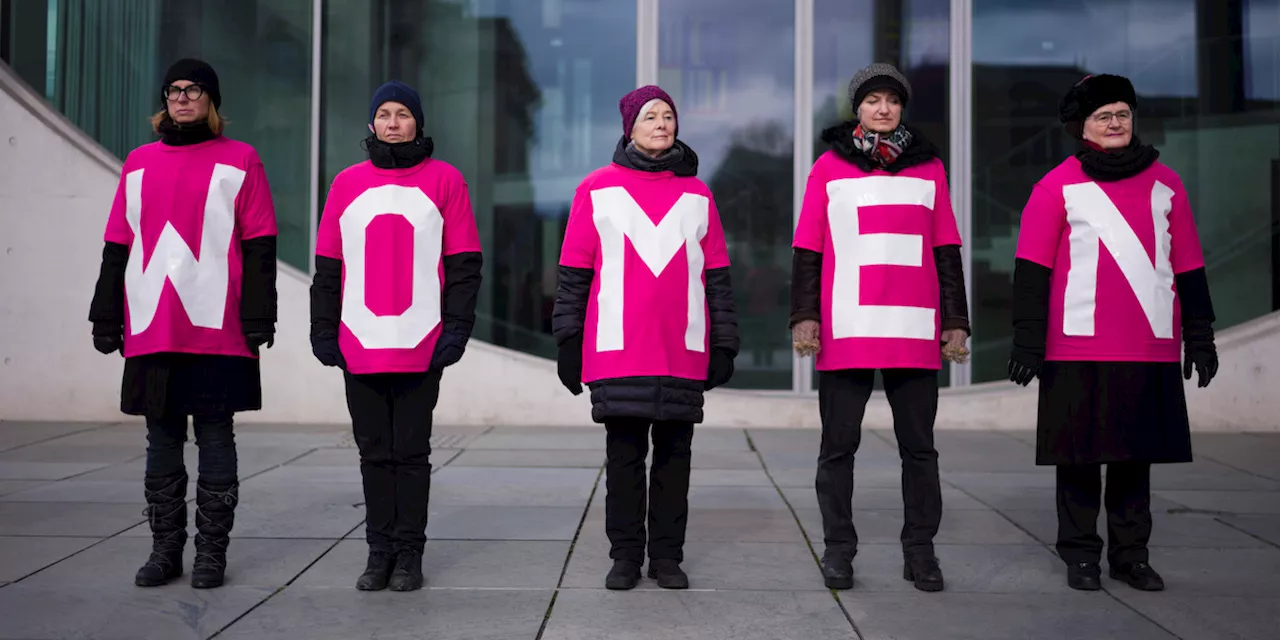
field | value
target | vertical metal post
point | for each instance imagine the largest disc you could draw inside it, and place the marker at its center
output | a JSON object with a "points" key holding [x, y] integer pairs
{"points": [[646, 42], [317, 33], [961, 170], [802, 152]]}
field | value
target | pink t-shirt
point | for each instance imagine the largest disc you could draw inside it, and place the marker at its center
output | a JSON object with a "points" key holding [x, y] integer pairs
{"points": [[183, 211], [392, 228], [877, 232], [1114, 248], [650, 237]]}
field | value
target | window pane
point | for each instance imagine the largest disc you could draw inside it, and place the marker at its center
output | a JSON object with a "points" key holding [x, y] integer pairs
{"points": [[913, 36], [101, 64], [520, 95], [733, 82], [1206, 73]]}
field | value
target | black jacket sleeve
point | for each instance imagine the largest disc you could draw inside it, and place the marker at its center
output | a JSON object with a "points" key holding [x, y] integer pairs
{"points": [[570, 312], [954, 303], [326, 299], [1197, 308], [724, 319], [258, 287], [806, 286], [461, 290], [1030, 310], [106, 311]]}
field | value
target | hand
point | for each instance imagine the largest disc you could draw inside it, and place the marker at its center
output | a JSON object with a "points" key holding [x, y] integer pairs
{"points": [[953, 348], [805, 338], [720, 370], [569, 365], [1023, 367], [1205, 361], [449, 350], [256, 339], [108, 337], [326, 350]]}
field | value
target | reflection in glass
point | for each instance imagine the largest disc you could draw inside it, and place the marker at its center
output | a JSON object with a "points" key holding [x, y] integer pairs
{"points": [[100, 64], [520, 95], [1208, 79]]}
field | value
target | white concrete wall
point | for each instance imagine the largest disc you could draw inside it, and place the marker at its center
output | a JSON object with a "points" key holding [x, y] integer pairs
{"points": [[56, 187]]}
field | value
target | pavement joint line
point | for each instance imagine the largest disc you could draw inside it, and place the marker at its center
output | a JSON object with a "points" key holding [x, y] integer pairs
{"points": [[96, 427], [804, 534], [573, 544], [1248, 533]]}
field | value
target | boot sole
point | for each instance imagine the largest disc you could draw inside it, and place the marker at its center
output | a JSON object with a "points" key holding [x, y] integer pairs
{"points": [[679, 583], [1125, 579], [155, 583], [206, 584], [931, 587], [843, 584]]}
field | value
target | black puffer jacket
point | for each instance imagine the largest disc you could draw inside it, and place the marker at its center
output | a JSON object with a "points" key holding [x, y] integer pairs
{"points": [[657, 398]]}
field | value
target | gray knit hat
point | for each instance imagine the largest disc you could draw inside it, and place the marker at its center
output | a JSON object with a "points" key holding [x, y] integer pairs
{"points": [[874, 77]]}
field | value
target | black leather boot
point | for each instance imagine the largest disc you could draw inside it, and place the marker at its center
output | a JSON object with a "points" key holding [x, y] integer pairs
{"points": [[624, 575], [1084, 576], [668, 574], [167, 514], [924, 572], [407, 575], [837, 570], [377, 572], [1138, 575], [215, 516]]}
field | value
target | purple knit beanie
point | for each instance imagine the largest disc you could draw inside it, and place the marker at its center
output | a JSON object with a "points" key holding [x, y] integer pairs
{"points": [[631, 104]]}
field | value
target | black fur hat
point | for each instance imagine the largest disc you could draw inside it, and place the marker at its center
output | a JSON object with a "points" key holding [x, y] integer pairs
{"points": [[1090, 93]]}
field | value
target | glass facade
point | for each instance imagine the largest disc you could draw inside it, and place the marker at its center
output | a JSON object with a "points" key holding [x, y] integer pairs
{"points": [[521, 95]]}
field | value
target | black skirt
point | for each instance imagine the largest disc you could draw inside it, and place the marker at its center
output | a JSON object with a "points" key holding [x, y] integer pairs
{"points": [[162, 384], [1100, 412]]}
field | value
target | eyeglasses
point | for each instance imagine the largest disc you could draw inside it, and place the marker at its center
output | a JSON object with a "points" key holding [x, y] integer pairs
{"points": [[1105, 117], [192, 91]]}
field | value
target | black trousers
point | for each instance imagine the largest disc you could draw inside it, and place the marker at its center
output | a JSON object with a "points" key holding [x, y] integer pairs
{"points": [[391, 419], [215, 437], [625, 503], [1128, 502], [842, 400]]}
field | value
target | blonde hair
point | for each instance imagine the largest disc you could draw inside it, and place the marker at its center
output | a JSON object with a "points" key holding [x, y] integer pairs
{"points": [[216, 122]]}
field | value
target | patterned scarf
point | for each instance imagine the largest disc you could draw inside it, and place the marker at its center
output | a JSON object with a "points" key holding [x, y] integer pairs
{"points": [[881, 148]]}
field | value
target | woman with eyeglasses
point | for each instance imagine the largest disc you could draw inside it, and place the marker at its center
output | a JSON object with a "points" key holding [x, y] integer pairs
{"points": [[187, 294], [1109, 286]]}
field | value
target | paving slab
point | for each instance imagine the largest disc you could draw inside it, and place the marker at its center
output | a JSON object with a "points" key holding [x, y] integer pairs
{"points": [[511, 486], [729, 478], [1210, 618], [307, 474], [1168, 530], [101, 491], [22, 555], [57, 451], [1225, 502], [14, 434], [587, 439], [281, 510], [499, 523], [67, 518], [1265, 527], [1244, 573], [567, 458], [454, 564], [749, 566], [718, 525], [724, 460], [46, 470], [706, 615], [967, 568], [1011, 496], [14, 486], [878, 498], [319, 613], [717, 497], [958, 527], [1206, 475]]}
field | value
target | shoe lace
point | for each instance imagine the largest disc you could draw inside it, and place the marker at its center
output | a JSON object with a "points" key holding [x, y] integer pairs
{"points": [[214, 532]]}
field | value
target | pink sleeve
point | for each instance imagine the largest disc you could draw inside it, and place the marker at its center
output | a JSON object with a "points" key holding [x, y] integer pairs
{"points": [[329, 235], [811, 230], [1040, 232], [580, 240], [714, 251], [1185, 253], [461, 235], [255, 211], [944, 217], [118, 230]]}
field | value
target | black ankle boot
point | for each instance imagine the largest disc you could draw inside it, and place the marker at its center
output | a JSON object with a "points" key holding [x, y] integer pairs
{"points": [[668, 574], [167, 514], [924, 572], [407, 575], [837, 571], [215, 516], [1138, 575], [624, 575], [377, 572], [1084, 576]]}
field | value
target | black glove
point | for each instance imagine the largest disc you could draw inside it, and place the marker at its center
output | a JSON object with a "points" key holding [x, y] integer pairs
{"points": [[1023, 367], [256, 339], [108, 337], [449, 349], [1204, 357], [720, 370], [569, 365], [327, 352]]}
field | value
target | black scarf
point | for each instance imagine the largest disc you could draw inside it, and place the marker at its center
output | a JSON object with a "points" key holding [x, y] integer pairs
{"points": [[181, 135], [1109, 166], [399, 155], [919, 149], [679, 159]]}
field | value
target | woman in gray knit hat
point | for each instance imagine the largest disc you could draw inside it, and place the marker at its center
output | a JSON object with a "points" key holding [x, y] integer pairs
{"points": [[877, 283]]}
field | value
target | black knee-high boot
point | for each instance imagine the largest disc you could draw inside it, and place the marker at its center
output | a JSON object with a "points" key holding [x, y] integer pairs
{"points": [[215, 515], [167, 514]]}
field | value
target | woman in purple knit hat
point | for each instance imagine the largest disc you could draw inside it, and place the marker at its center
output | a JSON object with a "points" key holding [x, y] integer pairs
{"points": [[644, 316]]}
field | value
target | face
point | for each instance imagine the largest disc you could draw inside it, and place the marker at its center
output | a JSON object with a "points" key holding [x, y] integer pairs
{"points": [[880, 111], [182, 108], [1111, 126], [656, 131], [393, 122]]}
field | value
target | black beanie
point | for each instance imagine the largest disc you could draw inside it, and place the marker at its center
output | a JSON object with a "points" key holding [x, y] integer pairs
{"points": [[197, 71], [1091, 93], [396, 91]]}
